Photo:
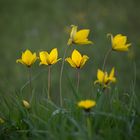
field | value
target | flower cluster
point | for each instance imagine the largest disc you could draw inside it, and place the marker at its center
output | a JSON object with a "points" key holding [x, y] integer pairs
{"points": [[28, 58], [77, 61]]}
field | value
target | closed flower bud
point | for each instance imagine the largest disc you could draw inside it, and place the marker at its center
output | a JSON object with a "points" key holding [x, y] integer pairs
{"points": [[26, 104]]}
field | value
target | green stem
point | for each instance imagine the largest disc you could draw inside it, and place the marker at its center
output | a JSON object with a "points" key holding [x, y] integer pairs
{"points": [[78, 79], [60, 80], [30, 83], [89, 128], [105, 58], [49, 81]]}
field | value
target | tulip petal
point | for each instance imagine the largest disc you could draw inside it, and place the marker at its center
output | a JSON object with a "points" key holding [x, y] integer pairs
{"points": [[81, 37], [19, 61], [112, 72], [53, 55], [121, 48], [82, 34], [73, 31], [76, 58], [117, 38], [44, 57], [34, 58], [70, 61], [96, 81], [83, 61], [100, 75], [83, 42], [27, 57], [55, 61]]}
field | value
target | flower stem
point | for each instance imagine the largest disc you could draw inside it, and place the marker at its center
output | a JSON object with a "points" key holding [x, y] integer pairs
{"points": [[30, 83], [78, 79], [60, 80], [89, 127], [105, 58], [49, 81]]}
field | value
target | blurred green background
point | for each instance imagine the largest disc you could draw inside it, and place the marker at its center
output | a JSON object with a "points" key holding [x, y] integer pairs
{"points": [[45, 24]]}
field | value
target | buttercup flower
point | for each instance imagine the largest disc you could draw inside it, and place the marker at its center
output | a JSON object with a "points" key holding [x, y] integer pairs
{"points": [[28, 58], [86, 104], [79, 37], [49, 59], [77, 60], [26, 104], [105, 79], [1, 121], [119, 43]]}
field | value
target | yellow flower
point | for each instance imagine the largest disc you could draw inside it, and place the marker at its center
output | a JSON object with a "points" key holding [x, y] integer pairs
{"points": [[119, 43], [79, 37], [49, 59], [105, 79], [26, 104], [77, 60], [1, 121], [86, 104], [28, 58]]}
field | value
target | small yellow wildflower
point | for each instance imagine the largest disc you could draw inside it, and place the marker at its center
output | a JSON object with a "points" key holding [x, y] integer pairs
{"points": [[28, 58], [49, 59], [26, 104], [79, 37], [104, 79], [119, 43], [2, 121], [77, 60], [86, 104]]}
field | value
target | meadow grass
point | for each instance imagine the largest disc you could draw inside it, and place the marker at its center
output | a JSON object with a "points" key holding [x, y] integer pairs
{"points": [[114, 117]]}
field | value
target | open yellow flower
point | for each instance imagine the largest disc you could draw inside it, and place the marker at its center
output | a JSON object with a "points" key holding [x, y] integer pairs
{"points": [[119, 43], [86, 104], [26, 104], [77, 60], [28, 58], [79, 37], [105, 79], [49, 59]]}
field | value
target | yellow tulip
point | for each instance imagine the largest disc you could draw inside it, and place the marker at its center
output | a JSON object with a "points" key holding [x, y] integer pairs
{"points": [[105, 79], [86, 104], [28, 58], [77, 60], [26, 104], [119, 43], [79, 37], [49, 59]]}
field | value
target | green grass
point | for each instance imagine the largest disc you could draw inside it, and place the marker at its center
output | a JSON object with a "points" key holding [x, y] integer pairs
{"points": [[43, 25], [114, 116]]}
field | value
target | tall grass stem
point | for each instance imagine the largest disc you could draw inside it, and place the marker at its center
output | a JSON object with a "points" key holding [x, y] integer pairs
{"points": [[61, 73], [78, 79], [105, 58], [30, 83]]}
